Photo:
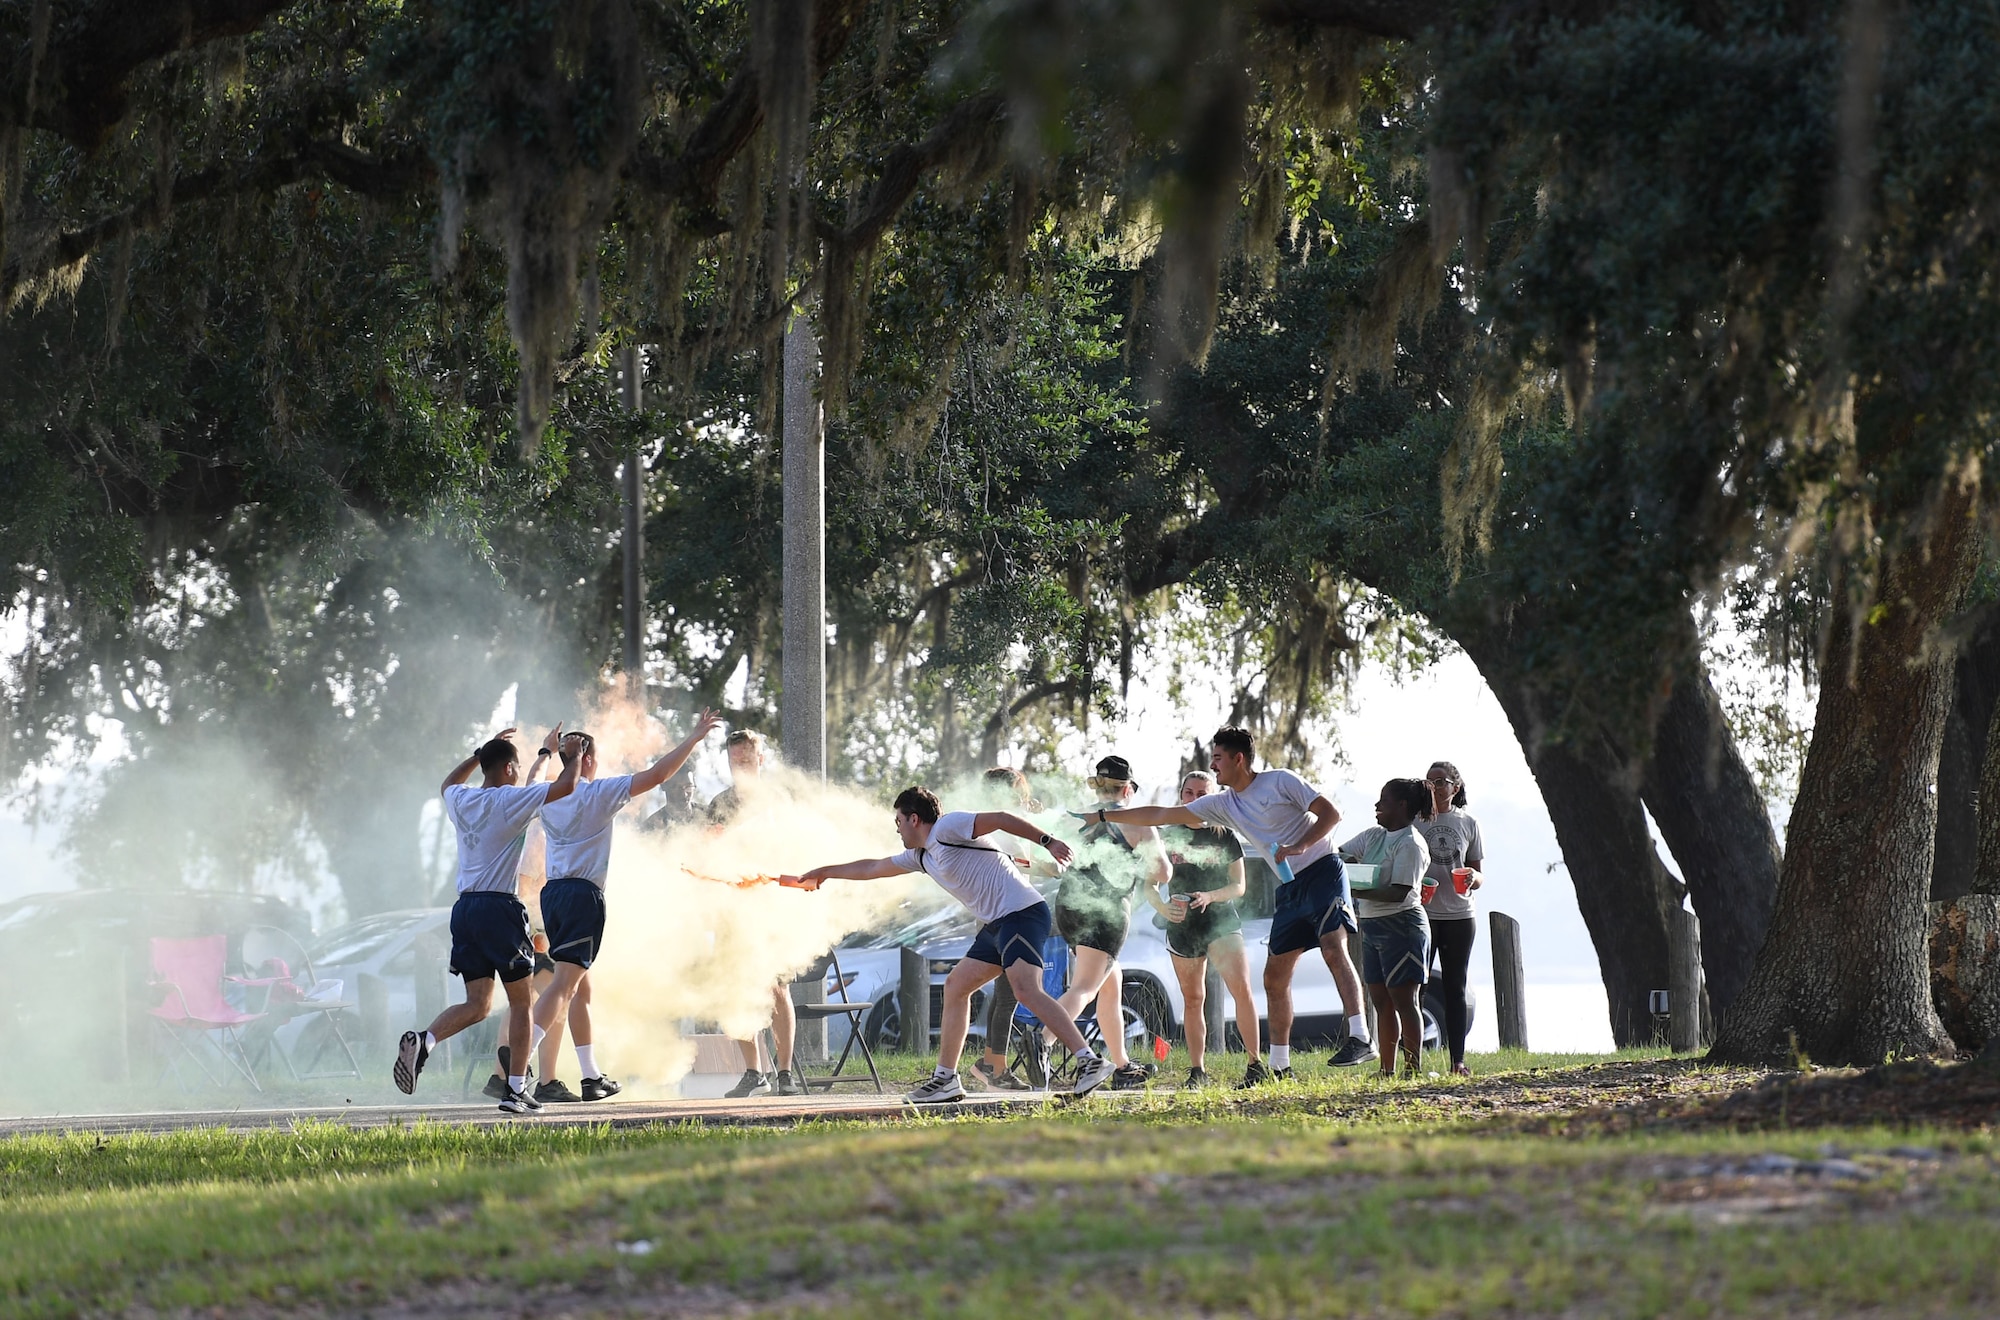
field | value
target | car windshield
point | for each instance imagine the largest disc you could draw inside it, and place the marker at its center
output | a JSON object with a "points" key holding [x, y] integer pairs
{"points": [[361, 940], [943, 923]]}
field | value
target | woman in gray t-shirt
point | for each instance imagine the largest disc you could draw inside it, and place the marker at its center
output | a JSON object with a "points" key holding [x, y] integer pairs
{"points": [[1453, 837]]}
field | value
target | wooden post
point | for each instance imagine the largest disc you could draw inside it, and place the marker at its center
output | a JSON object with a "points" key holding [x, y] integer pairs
{"points": [[1684, 982], [809, 1034], [913, 1001], [1510, 983], [1214, 1013], [802, 661]]}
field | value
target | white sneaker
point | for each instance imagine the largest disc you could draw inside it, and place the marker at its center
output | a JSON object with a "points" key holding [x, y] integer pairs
{"points": [[937, 1090], [1092, 1075]]}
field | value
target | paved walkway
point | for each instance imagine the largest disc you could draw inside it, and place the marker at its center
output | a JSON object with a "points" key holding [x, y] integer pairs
{"points": [[756, 1112]]}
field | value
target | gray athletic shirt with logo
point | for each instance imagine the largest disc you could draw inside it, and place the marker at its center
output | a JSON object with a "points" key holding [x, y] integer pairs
{"points": [[1403, 859], [1453, 838], [579, 828], [970, 869], [1272, 812], [492, 826]]}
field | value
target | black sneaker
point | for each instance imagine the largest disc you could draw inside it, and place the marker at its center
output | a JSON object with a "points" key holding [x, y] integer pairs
{"points": [[787, 1085], [1196, 1079], [936, 1090], [751, 1082], [556, 1092], [1255, 1075], [411, 1055], [1130, 1078], [496, 1086], [1000, 1079], [518, 1102], [1352, 1051], [600, 1088]]}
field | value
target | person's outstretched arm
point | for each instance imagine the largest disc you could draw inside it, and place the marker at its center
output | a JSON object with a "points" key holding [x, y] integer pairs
{"points": [[660, 771], [869, 868], [1146, 816], [463, 770], [988, 821]]}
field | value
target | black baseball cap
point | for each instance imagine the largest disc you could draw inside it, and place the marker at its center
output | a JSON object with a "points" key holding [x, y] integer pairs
{"points": [[1115, 767]]}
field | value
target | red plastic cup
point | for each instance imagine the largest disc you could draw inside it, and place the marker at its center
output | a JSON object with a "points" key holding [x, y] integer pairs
{"points": [[1461, 879], [1430, 889]]}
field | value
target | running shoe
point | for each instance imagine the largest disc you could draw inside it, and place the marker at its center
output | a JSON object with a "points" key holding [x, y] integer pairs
{"points": [[935, 1090], [1000, 1079], [1197, 1078], [1352, 1051], [1281, 1074], [787, 1085], [1460, 1070], [1130, 1077], [1092, 1075], [518, 1102], [411, 1055], [751, 1082], [1255, 1075], [496, 1087], [555, 1091], [600, 1088]]}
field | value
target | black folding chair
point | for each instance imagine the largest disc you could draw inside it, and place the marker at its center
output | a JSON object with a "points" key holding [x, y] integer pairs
{"points": [[856, 1012]]}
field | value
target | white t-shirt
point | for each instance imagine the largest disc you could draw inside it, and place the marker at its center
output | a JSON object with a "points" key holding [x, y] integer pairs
{"points": [[974, 872], [1270, 813], [1453, 840], [579, 828], [1403, 859], [492, 825]]}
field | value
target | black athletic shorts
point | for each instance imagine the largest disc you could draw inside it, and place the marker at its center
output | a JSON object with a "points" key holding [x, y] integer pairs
{"points": [[573, 915], [1016, 937], [489, 937], [1094, 927], [1191, 938], [1311, 907]]}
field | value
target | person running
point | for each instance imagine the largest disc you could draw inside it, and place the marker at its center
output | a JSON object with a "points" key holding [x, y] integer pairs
{"points": [[489, 923], [579, 832], [1003, 786], [1286, 821], [1395, 937], [745, 749], [1203, 923], [1093, 911], [1453, 839], [1014, 924]]}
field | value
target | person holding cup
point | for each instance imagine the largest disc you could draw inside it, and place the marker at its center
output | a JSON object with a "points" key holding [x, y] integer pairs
{"points": [[1457, 854], [1395, 937], [1203, 924]]}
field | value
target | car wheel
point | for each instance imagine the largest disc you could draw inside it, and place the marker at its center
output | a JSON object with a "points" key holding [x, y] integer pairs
{"points": [[1148, 1003], [885, 1026]]}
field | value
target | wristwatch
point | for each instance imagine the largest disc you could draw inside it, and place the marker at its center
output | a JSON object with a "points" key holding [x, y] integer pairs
{"points": [[1044, 841], [1100, 817]]}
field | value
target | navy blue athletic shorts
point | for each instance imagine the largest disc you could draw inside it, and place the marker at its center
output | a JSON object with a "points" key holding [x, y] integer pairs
{"points": [[1396, 949], [1016, 937], [573, 916], [1311, 907], [489, 937]]}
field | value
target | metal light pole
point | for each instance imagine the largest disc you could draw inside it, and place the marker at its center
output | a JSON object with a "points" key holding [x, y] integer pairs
{"points": [[635, 533], [802, 708]]}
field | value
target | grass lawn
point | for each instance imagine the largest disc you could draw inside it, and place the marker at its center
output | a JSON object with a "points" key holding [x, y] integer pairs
{"points": [[1339, 1196]]}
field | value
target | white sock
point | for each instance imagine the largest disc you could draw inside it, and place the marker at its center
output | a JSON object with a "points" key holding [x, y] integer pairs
{"points": [[1086, 1054], [430, 1041], [943, 1071], [517, 1083], [585, 1061], [535, 1035], [1357, 1027], [1281, 1057]]}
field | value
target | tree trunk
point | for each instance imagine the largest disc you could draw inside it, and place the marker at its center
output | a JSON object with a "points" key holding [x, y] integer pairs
{"points": [[1712, 817], [1962, 768], [1622, 888], [1965, 969], [1844, 975]]}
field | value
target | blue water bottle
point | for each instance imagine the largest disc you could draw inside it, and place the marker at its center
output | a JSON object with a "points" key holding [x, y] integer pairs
{"points": [[1282, 867]]}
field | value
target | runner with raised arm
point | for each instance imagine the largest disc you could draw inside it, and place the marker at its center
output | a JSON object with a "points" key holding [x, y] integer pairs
{"points": [[1014, 923], [579, 830], [1203, 926], [489, 924], [1286, 822]]}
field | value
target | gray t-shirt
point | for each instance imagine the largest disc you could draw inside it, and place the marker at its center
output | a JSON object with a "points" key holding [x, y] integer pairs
{"points": [[492, 827], [1270, 813], [970, 869], [579, 829], [1402, 859], [1453, 840]]}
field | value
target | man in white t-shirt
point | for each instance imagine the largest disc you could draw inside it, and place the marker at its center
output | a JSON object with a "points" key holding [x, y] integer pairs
{"points": [[1014, 924], [489, 924], [1286, 822], [579, 830]]}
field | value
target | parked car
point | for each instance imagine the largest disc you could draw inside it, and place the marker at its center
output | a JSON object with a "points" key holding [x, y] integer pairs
{"points": [[395, 966]]}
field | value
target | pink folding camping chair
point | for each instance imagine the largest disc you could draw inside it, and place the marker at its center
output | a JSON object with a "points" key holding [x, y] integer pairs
{"points": [[193, 1009]]}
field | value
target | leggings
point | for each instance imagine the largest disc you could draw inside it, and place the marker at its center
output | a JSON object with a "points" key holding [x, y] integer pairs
{"points": [[1000, 1015], [1454, 938]]}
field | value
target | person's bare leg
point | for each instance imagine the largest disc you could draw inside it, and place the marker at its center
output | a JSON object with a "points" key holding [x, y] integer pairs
{"points": [[1192, 974], [748, 1049], [1026, 978], [966, 976], [999, 1024], [1111, 1015], [579, 1013], [1278, 995], [551, 1009], [1334, 948], [1405, 999], [1234, 969], [784, 1025], [1086, 977], [520, 1020], [1387, 1026], [458, 1017]]}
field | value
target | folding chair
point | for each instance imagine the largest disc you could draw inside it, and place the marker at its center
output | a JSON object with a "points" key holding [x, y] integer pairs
{"points": [[191, 973], [856, 1011], [297, 993]]}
